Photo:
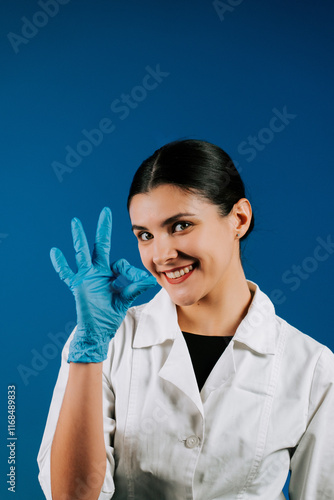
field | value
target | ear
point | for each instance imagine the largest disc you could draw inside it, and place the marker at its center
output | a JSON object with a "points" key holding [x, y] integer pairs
{"points": [[242, 216]]}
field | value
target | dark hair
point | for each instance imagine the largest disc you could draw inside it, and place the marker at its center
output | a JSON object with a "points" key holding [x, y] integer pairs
{"points": [[195, 166]]}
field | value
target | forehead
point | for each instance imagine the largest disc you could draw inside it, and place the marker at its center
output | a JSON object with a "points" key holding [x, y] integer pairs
{"points": [[164, 201]]}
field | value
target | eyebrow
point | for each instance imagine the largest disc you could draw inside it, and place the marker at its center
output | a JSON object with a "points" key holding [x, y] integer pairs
{"points": [[166, 222]]}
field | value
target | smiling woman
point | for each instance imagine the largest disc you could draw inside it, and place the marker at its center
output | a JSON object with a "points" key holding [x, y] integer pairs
{"points": [[193, 252], [188, 208], [204, 392]]}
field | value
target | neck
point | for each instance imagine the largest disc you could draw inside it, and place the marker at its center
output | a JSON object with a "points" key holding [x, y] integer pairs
{"points": [[218, 314]]}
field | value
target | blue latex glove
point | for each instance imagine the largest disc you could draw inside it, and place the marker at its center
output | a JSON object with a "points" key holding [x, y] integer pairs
{"points": [[103, 293]]}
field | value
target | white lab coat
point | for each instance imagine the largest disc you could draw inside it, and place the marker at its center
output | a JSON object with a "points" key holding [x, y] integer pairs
{"points": [[267, 406]]}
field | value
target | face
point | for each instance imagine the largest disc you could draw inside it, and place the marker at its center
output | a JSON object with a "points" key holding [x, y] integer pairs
{"points": [[185, 243]]}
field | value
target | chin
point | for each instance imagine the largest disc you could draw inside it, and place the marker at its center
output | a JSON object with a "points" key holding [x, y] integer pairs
{"points": [[182, 301]]}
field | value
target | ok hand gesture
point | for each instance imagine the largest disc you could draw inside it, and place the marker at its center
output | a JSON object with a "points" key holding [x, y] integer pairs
{"points": [[103, 293]]}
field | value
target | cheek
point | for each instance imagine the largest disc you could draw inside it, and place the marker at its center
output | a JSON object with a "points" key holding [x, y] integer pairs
{"points": [[145, 258], [216, 251], [193, 244]]}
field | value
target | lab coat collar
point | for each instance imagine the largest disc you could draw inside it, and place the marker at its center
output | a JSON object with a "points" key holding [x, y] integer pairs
{"points": [[258, 328], [257, 331], [158, 321], [157, 324]]}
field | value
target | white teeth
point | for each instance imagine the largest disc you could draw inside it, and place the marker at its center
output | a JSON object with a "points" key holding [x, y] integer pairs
{"points": [[181, 272]]}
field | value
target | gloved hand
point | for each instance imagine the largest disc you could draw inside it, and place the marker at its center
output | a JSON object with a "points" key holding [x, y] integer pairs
{"points": [[103, 293]]}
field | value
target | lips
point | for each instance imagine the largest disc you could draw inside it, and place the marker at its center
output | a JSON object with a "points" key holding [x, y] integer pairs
{"points": [[179, 274]]}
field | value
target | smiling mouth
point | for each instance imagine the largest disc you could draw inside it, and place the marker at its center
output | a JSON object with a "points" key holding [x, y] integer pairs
{"points": [[180, 274]]}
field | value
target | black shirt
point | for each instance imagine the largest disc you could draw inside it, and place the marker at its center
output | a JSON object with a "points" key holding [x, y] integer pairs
{"points": [[204, 351]]}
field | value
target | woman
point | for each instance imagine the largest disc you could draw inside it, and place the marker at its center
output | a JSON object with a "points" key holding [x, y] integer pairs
{"points": [[203, 392]]}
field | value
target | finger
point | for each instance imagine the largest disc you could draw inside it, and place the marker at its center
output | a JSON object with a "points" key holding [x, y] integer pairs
{"points": [[82, 254], [132, 280], [122, 267], [103, 238], [61, 266], [133, 290]]}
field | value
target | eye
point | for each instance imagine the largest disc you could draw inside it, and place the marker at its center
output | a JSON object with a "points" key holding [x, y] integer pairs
{"points": [[145, 236], [181, 226]]}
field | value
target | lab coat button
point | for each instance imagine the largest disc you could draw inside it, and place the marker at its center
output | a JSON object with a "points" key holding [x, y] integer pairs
{"points": [[192, 441]]}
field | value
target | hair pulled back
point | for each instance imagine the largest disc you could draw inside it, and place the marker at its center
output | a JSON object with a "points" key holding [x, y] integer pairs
{"points": [[195, 166]]}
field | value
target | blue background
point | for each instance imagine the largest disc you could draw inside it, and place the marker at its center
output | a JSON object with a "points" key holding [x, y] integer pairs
{"points": [[224, 74]]}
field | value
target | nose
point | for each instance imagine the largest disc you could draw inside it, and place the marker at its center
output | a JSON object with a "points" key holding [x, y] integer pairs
{"points": [[163, 251]]}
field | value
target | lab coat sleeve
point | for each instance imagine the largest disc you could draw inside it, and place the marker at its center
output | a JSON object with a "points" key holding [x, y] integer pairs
{"points": [[44, 454], [312, 462]]}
